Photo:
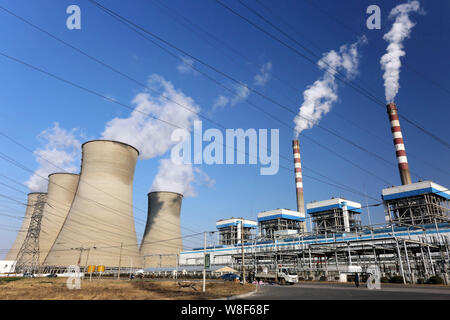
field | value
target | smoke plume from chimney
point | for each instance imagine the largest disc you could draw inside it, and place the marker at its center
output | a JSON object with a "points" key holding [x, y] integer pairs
{"points": [[390, 62], [320, 96]]}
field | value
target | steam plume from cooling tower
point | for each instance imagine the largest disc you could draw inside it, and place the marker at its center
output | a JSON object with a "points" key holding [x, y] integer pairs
{"points": [[61, 152], [390, 62], [319, 97], [152, 137]]}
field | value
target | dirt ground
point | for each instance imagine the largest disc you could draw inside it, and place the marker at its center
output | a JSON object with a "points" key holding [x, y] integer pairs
{"points": [[107, 289]]}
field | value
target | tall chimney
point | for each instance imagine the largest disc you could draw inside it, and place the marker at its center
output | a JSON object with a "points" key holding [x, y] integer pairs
{"points": [[298, 179], [399, 144]]}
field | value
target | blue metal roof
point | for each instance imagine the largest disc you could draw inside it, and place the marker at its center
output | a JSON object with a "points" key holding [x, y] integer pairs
{"points": [[417, 192]]}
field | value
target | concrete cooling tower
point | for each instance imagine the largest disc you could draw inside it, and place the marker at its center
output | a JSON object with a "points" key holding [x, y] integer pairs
{"points": [[162, 237], [60, 195], [32, 199], [99, 229]]}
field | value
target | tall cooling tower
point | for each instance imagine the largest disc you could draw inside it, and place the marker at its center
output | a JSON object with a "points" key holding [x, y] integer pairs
{"points": [[400, 151], [60, 195], [32, 199], [162, 236], [99, 229]]}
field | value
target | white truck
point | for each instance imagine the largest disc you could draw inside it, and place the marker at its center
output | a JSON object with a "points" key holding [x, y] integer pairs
{"points": [[282, 275]]}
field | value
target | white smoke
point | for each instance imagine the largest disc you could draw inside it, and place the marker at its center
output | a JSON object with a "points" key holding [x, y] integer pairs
{"points": [[264, 74], [319, 97], [60, 153], [152, 137], [175, 178], [146, 133], [241, 93], [390, 62], [186, 65]]}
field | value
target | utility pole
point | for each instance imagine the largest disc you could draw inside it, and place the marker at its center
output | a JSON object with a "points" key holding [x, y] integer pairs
{"points": [[131, 268], [204, 261], [120, 260], [242, 249]]}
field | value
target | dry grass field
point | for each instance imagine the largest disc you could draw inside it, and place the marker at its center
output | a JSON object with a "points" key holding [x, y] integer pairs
{"points": [[107, 289]]}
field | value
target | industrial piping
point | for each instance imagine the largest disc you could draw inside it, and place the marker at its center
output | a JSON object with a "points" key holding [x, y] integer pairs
{"points": [[400, 151]]}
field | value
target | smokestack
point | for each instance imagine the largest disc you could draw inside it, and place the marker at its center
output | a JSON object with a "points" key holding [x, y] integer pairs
{"points": [[32, 199], [299, 180], [162, 237], [60, 195], [399, 144], [99, 228]]}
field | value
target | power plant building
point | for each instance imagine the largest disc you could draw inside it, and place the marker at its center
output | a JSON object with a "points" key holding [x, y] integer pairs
{"points": [[335, 215], [418, 203], [235, 230], [99, 228], [280, 222]]}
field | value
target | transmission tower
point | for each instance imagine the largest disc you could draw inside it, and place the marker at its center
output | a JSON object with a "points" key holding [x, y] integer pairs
{"points": [[28, 256]]}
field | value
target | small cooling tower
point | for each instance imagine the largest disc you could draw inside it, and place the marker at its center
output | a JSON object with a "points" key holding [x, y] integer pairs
{"points": [[32, 199], [61, 192], [162, 237], [99, 229]]}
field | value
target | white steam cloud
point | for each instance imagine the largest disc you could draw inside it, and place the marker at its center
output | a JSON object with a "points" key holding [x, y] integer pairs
{"points": [[186, 65], [60, 153], [264, 74], [390, 62], [152, 137], [319, 97], [241, 93]]}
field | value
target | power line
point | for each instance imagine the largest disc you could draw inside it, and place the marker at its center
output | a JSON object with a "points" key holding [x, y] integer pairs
{"points": [[132, 26], [94, 93], [407, 65], [247, 60], [350, 83]]}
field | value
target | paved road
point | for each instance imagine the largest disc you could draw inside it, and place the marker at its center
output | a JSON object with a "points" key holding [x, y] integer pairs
{"points": [[347, 292]]}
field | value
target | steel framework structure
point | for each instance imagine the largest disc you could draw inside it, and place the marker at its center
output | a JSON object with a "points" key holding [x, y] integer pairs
{"points": [[418, 210], [28, 256]]}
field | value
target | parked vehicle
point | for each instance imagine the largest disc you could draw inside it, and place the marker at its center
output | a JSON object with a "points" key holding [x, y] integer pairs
{"points": [[282, 275], [28, 275], [52, 275], [229, 277]]}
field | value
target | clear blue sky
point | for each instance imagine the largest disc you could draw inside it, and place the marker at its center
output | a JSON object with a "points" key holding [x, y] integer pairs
{"points": [[31, 102]]}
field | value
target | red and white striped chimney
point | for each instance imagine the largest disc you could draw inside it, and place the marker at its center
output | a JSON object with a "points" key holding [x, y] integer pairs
{"points": [[399, 144], [298, 176]]}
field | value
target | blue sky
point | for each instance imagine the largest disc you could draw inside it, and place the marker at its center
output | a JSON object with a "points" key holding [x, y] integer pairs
{"points": [[31, 102]]}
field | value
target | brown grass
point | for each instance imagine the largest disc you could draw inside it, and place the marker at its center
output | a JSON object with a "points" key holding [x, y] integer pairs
{"points": [[106, 289]]}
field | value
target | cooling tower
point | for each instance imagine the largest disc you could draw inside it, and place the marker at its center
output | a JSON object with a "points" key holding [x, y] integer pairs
{"points": [[400, 151], [60, 195], [162, 236], [299, 180], [32, 199], [99, 229]]}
